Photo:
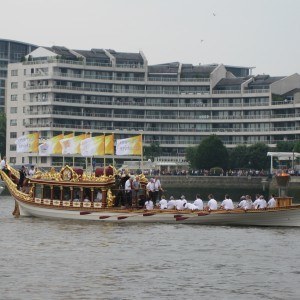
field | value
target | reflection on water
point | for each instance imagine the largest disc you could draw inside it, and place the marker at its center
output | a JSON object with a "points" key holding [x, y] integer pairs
{"points": [[43, 259]]}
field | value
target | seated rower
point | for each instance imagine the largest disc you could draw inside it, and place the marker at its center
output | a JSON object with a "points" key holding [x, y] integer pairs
{"points": [[191, 206], [261, 203], [149, 204], [227, 203], [181, 203], [272, 202], [171, 203], [242, 202], [86, 199], [248, 203], [163, 204], [198, 202], [212, 204]]}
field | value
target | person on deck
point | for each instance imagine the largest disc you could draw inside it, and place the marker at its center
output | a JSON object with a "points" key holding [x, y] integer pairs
{"points": [[272, 202], [3, 166], [149, 204], [227, 203], [157, 189], [198, 202], [212, 204], [163, 203], [98, 196], [31, 171], [150, 189], [128, 192], [261, 203], [23, 175], [171, 203], [136, 185]]}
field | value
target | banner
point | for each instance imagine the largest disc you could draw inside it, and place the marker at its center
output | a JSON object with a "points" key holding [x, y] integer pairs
{"points": [[129, 146], [28, 143], [92, 146], [72, 145], [109, 144], [51, 146]]}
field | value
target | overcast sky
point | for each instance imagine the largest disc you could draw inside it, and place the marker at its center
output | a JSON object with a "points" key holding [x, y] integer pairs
{"points": [[260, 33]]}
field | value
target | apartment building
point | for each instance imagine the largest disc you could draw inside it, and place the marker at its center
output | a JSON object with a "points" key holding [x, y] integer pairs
{"points": [[59, 90], [10, 52]]}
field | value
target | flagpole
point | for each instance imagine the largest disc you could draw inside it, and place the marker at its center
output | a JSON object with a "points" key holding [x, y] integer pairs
{"points": [[63, 154], [104, 160], [73, 154], [142, 155]]}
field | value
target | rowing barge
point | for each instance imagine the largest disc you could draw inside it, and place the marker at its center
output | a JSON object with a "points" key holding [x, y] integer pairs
{"points": [[51, 195]]}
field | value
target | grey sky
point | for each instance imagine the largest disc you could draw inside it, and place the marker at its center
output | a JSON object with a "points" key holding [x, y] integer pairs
{"points": [[260, 33]]}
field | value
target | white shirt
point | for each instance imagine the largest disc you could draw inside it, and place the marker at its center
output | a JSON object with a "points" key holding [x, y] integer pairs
{"points": [[2, 164], [262, 203], [242, 204], [192, 206], [171, 204], [180, 204], [256, 203], [150, 186], [199, 203], [227, 204], [149, 205], [128, 185], [31, 172], [249, 204], [163, 203], [157, 185], [212, 204], [272, 202]]}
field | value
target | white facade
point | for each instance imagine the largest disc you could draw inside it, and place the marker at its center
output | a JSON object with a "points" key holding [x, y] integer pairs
{"points": [[103, 91]]}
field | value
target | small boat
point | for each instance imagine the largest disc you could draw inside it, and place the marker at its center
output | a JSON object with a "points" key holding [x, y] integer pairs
{"points": [[52, 195]]}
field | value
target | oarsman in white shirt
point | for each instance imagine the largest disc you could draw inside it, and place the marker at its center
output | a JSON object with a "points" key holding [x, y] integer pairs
{"points": [[249, 203], [272, 202], [191, 206], [163, 203], [256, 201], [227, 203], [149, 205], [171, 203], [242, 203], [181, 203], [198, 202], [212, 204], [261, 204]]}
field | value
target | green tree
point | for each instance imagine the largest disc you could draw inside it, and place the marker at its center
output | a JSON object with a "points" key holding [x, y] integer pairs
{"points": [[210, 153], [2, 134], [285, 146], [239, 157], [152, 151], [257, 154]]}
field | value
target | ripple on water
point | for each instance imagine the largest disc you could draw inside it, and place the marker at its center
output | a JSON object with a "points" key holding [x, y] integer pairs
{"points": [[46, 259]]}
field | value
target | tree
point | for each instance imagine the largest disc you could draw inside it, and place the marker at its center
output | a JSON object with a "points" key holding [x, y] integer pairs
{"points": [[258, 156], [285, 146], [152, 151], [2, 134], [210, 153], [239, 157]]}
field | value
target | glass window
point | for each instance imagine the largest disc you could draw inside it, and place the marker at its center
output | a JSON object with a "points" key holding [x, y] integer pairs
{"points": [[14, 85], [13, 122], [13, 110], [13, 135], [12, 147], [14, 97], [14, 72], [12, 160]]}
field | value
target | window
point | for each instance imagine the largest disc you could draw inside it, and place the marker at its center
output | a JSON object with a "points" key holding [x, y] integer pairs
{"points": [[12, 147], [14, 85], [43, 159], [13, 110], [13, 135], [23, 160], [24, 97], [14, 98], [13, 122], [14, 72], [12, 160], [24, 71]]}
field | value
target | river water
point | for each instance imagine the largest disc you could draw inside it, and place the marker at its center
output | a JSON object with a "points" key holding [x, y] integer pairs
{"points": [[47, 259]]}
